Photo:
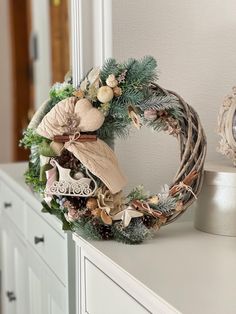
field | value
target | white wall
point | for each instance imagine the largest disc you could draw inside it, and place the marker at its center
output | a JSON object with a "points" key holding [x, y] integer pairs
{"points": [[195, 45], [5, 86]]}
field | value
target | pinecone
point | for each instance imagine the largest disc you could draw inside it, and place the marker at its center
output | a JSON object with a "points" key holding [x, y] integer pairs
{"points": [[105, 231], [78, 202], [68, 160], [69, 205], [148, 221]]}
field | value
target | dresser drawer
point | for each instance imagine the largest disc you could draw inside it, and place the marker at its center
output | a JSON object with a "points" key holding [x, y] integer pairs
{"points": [[48, 243], [101, 295], [13, 206]]}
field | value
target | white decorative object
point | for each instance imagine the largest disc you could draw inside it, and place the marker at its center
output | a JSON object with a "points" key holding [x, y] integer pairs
{"points": [[126, 215], [227, 127], [215, 207], [97, 156], [66, 185]]}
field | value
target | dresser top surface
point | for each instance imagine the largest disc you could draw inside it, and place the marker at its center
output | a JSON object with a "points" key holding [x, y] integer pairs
{"points": [[191, 270]]}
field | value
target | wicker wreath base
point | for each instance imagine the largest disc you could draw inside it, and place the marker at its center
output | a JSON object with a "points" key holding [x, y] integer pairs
{"points": [[68, 138], [192, 141]]}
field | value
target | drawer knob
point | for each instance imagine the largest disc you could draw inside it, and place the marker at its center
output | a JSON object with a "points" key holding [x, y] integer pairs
{"points": [[7, 205], [38, 240], [11, 296]]}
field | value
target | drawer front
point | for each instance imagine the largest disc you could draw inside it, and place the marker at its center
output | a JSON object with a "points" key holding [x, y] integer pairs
{"points": [[14, 207], [103, 296], [47, 295], [48, 243]]}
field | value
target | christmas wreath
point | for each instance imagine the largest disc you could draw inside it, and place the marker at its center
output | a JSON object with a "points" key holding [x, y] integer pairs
{"points": [[72, 164]]}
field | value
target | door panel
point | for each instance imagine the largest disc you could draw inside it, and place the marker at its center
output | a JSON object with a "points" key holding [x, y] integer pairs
{"points": [[20, 268], [35, 279], [9, 305], [47, 295], [56, 295]]}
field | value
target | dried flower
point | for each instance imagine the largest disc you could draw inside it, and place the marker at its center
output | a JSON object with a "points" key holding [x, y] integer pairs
{"points": [[122, 76], [153, 200], [93, 77], [92, 203], [111, 81], [109, 202], [72, 124], [134, 117], [73, 213], [96, 212], [78, 93], [173, 127], [104, 108], [83, 85], [92, 92]]}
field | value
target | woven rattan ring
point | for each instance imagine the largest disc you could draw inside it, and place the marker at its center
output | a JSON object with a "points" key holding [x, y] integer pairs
{"points": [[192, 140], [76, 171]]}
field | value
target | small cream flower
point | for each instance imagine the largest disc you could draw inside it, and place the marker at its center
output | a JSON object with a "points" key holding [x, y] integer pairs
{"points": [[111, 81]]}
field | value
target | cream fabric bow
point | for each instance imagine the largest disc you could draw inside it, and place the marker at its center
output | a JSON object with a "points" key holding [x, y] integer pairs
{"points": [[96, 156]]}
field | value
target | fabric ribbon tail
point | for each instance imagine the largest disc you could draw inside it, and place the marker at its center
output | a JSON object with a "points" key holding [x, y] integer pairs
{"points": [[51, 176], [101, 161]]}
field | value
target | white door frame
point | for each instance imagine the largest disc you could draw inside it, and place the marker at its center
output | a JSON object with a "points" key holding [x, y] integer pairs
{"points": [[40, 50], [91, 35]]}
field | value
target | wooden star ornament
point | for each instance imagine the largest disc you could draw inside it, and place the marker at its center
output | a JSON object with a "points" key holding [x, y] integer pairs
{"points": [[126, 215]]}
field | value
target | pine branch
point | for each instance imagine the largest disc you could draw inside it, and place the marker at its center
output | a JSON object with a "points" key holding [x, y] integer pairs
{"points": [[141, 72], [160, 102], [135, 233], [30, 137], [110, 67], [113, 128], [165, 205], [138, 193]]}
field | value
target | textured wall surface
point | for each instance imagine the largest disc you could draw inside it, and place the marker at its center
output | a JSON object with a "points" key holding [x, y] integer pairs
{"points": [[194, 43], [5, 86]]}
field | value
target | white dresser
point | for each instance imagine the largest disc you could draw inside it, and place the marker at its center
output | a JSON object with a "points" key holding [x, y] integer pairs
{"points": [[182, 270], [37, 257]]}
